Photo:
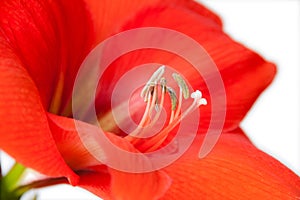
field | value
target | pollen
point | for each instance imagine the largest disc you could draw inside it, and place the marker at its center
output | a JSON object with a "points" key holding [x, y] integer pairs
{"points": [[154, 93]]}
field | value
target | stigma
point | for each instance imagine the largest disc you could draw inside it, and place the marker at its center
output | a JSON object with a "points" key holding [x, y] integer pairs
{"points": [[153, 94]]}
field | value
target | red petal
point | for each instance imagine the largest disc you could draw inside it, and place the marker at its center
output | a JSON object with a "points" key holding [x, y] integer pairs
{"points": [[116, 185], [97, 182], [69, 142], [110, 15], [77, 35], [49, 38], [77, 155], [24, 129], [245, 74], [147, 186], [234, 169], [144, 186]]}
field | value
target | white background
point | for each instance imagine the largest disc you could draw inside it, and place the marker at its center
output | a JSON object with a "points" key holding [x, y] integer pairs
{"points": [[271, 28]]}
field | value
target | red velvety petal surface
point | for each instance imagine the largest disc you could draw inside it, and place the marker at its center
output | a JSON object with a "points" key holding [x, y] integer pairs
{"points": [[69, 142], [24, 130], [119, 185], [27, 26], [103, 181], [109, 15], [50, 38], [245, 74], [234, 169], [39, 43], [97, 182]]}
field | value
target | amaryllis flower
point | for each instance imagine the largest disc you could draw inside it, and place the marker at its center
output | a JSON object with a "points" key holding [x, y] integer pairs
{"points": [[42, 46]]}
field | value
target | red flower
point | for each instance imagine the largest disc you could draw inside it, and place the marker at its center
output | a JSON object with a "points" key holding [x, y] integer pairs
{"points": [[43, 43]]}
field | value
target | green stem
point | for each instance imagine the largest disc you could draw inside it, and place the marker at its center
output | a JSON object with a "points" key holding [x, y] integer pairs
{"points": [[13, 177], [10, 181], [0, 178], [9, 189]]}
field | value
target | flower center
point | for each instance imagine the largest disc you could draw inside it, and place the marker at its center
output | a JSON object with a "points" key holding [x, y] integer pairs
{"points": [[154, 93]]}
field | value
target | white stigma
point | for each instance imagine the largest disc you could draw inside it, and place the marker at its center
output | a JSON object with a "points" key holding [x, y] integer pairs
{"points": [[197, 96]]}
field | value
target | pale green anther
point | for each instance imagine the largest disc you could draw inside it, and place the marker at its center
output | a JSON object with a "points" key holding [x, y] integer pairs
{"points": [[163, 83], [180, 81], [153, 79], [173, 97]]}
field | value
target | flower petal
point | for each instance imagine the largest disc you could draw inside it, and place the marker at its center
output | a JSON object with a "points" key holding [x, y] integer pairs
{"points": [[24, 130], [50, 38], [69, 143], [109, 15], [147, 186], [116, 184], [244, 73], [96, 181], [234, 169], [79, 157]]}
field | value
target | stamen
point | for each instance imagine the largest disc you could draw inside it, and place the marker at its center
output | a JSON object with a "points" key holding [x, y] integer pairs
{"points": [[156, 76], [157, 140], [152, 99], [179, 103], [155, 99], [173, 97], [183, 86], [156, 117], [163, 83], [145, 116]]}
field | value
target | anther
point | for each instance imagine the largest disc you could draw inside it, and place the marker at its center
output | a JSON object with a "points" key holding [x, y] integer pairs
{"points": [[163, 83], [155, 100], [173, 97], [156, 76], [183, 86]]}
